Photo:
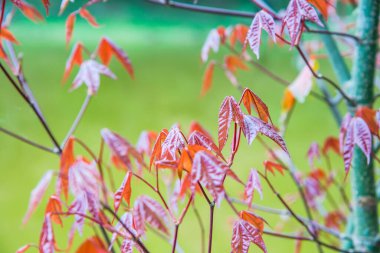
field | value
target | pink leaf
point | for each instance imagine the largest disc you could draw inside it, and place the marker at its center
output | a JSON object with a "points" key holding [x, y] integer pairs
{"points": [[313, 153], [264, 21], [301, 86], [147, 210], [174, 141], [212, 42], [210, 172], [253, 126], [46, 244], [198, 138], [253, 184], [37, 194], [243, 234], [348, 147], [362, 136], [89, 74]]}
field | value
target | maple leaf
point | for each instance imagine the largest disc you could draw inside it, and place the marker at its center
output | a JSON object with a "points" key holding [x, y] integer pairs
{"points": [[369, 116], [355, 131], [46, 243], [157, 147], [207, 79], [249, 98], [253, 219], [37, 194], [7, 35], [67, 160], [92, 245], [54, 206], [296, 12], [243, 234], [262, 20], [174, 141], [89, 74], [322, 6], [229, 111], [147, 210], [126, 220], [239, 33], [210, 172], [253, 184], [75, 58], [70, 22], [107, 49], [331, 143], [195, 126], [28, 10], [253, 126], [212, 42], [124, 191], [198, 138], [84, 13], [233, 62]]}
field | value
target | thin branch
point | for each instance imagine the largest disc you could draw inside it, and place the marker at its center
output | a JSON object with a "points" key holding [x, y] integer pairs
{"points": [[32, 105], [175, 238], [341, 34], [202, 228], [77, 119], [27, 141]]}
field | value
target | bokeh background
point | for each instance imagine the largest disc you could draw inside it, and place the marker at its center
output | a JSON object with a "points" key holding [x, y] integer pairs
{"points": [[164, 46]]}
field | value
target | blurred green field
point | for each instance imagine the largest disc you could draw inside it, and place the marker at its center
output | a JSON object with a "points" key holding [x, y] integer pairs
{"points": [[165, 91]]}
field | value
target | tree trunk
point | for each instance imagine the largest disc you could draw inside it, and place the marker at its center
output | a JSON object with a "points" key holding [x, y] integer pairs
{"points": [[365, 215]]}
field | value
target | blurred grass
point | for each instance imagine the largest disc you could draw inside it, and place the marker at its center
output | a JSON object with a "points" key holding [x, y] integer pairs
{"points": [[165, 91]]}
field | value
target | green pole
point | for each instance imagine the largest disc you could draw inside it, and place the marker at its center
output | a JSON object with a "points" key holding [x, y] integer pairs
{"points": [[363, 187]]}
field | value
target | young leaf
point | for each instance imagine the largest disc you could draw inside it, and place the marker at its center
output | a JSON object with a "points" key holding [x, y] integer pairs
{"points": [[70, 22], [75, 58], [253, 219], [210, 172], [147, 210], [89, 74], [369, 116], [92, 245], [331, 143], [84, 13], [348, 147], [288, 101], [322, 6], [28, 10], [37, 194], [270, 166], [47, 242], [301, 86], [174, 141], [124, 192], [253, 184], [233, 62], [107, 48], [54, 206], [195, 126], [67, 160], [207, 79], [157, 147], [46, 4], [249, 98], [229, 111], [145, 142], [239, 33], [261, 21], [362, 136], [7, 35], [212, 42], [197, 138], [23, 249], [243, 234], [253, 126], [313, 153]]}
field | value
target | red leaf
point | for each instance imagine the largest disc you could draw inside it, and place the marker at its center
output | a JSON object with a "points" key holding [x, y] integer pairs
{"points": [[253, 126], [331, 143], [147, 210], [124, 191], [122, 149], [54, 206], [253, 219], [46, 4], [197, 138], [63, 6], [243, 234], [210, 172], [195, 126], [28, 10], [70, 22], [335, 220], [207, 79], [212, 42], [272, 165], [107, 48], [67, 160], [37, 194], [84, 13], [233, 62], [238, 33], [264, 21], [156, 153], [229, 111], [322, 6], [6, 34], [249, 98], [89, 74], [92, 245], [369, 116], [75, 58], [174, 141], [253, 184]]}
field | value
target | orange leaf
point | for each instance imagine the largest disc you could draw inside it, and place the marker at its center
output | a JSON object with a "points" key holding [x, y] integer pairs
{"points": [[331, 143], [239, 33], [54, 206], [46, 4], [207, 79], [74, 58], [322, 6], [92, 245], [369, 116], [3, 55], [250, 98], [222, 33], [67, 159], [6, 34], [124, 191], [252, 219], [272, 165], [29, 11], [84, 13], [107, 48], [70, 21], [288, 101], [233, 62]]}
